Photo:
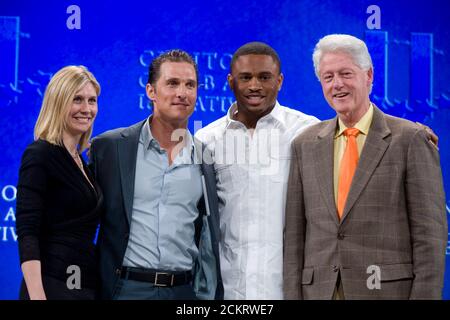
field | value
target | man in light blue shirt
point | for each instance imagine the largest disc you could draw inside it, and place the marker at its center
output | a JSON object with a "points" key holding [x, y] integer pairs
{"points": [[174, 188], [159, 234]]}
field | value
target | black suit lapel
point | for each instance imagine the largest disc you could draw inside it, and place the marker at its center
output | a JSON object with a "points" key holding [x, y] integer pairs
{"points": [[210, 190], [127, 151]]}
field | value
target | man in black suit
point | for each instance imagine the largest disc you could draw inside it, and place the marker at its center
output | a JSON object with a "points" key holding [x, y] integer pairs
{"points": [[159, 233]]}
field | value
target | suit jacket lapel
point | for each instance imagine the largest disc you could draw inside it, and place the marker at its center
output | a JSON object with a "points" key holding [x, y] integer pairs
{"points": [[323, 166], [371, 154], [127, 151], [210, 184]]}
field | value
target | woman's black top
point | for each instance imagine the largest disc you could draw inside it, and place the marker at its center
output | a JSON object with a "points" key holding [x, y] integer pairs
{"points": [[57, 213]]}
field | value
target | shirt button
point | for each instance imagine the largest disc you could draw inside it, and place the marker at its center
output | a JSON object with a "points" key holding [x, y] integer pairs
{"points": [[341, 236], [335, 269]]}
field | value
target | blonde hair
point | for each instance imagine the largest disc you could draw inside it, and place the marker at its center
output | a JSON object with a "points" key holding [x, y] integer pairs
{"points": [[59, 94]]}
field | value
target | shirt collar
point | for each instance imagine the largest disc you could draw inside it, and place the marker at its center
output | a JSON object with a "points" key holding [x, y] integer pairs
{"points": [[362, 125], [186, 155], [276, 114], [147, 138]]}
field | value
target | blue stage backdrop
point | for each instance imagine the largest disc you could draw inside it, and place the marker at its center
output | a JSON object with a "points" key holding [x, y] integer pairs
{"points": [[409, 42]]}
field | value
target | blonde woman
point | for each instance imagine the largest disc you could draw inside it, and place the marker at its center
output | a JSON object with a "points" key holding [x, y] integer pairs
{"points": [[58, 201]]}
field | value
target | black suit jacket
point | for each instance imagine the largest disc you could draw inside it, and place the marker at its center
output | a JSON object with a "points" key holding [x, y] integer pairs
{"points": [[113, 161]]}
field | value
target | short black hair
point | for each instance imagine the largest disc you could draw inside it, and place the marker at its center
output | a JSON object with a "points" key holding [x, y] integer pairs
{"points": [[175, 55], [259, 48]]}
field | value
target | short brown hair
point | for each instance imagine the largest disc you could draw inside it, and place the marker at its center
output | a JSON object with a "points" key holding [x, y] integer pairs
{"points": [[175, 55]]}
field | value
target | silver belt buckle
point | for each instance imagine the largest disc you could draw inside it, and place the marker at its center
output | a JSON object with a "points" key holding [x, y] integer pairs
{"points": [[163, 284]]}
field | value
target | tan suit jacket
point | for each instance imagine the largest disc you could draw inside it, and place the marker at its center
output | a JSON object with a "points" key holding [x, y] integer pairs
{"points": [[394, 223]]}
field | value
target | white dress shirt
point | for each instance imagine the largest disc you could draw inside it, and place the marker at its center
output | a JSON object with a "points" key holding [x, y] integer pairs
{"points": [[252, 168]]}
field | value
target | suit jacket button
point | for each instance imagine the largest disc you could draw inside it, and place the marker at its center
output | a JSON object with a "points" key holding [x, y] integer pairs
{"points": [[118, 272], [341, 236]]}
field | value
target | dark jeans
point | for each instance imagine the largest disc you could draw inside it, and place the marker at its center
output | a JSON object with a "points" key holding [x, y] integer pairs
{"points": [[56, 289], [138, 290]]}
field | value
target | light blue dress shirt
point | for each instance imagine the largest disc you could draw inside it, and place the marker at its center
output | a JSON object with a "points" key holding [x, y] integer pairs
{"points": [[164, 207]]}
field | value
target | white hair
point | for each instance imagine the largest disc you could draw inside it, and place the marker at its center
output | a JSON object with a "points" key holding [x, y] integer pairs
{"points": [[351, 45]]}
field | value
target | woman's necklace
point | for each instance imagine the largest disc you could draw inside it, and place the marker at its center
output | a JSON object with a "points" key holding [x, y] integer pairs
{"points": [[77, 159]]}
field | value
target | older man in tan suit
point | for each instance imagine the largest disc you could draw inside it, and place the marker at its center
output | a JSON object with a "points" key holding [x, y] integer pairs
{"points": [[365, 213]]}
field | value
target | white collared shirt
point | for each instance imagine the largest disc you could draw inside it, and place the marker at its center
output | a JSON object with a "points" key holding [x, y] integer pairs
{"points": [[252, 172]]}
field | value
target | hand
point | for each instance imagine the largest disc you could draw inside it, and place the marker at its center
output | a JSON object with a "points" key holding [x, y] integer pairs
{"points": [[430, 133]]}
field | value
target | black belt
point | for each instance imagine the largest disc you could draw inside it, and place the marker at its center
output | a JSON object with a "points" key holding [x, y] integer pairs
{"points": [[157, 278]]}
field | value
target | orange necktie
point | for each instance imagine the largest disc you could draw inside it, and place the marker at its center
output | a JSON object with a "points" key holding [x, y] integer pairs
{"points": [[348, 168]]}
